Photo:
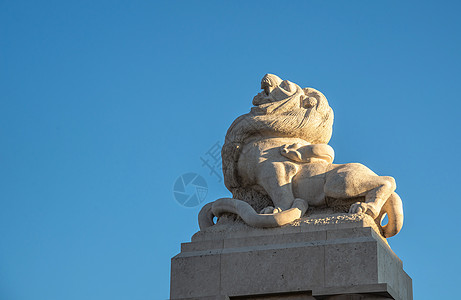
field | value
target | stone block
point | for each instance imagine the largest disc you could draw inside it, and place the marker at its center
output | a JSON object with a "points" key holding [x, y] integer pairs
{"points": [[196, 274], [310, 260], [347, 263], [271, 269]]}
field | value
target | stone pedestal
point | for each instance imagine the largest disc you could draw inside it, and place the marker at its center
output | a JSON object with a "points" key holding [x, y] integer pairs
{"points": [[334, 257]]}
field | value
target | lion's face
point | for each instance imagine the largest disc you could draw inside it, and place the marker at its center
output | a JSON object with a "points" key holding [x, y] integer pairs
{"points": [[294, 110]]}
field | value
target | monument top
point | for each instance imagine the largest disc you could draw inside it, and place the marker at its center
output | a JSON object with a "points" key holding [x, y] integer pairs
{"points": [[327, 241], [276, 161]]}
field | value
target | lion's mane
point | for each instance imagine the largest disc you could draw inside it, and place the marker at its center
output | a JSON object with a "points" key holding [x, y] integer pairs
{"points": [[283, 118]]}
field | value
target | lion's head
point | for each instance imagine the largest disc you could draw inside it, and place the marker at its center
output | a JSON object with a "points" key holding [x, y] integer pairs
{"points": [[285, 109]]}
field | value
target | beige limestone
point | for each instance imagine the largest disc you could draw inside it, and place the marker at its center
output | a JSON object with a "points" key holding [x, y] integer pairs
{"points": [[327, 256], [297, 226], [276, 161]]}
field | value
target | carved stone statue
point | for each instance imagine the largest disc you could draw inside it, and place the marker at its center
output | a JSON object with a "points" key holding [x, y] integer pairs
{"points": [[276, 161]]}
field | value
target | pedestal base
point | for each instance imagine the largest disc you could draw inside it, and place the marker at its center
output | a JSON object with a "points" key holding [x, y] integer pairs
{"points": [[335, 257]]}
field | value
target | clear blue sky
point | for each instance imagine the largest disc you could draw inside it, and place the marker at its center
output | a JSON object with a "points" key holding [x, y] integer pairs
{"points": [[103, 104]]}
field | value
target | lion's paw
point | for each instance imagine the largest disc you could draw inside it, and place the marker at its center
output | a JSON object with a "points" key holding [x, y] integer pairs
{"points": [[357, 208], [365, 208], [270, 210], [291, 152]]}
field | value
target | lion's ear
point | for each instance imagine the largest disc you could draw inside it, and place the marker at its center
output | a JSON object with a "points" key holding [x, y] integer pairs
{"points": [[308, 102]]}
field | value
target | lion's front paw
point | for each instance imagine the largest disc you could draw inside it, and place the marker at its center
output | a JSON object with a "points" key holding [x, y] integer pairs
{"points": [[291, 152], [271, 210], [362, 207]]}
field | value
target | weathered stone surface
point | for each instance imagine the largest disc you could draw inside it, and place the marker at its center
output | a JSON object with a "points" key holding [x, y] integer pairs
{"points": [[297, 225], [194, 273], [234, 228], [316, 258], [277, 165]]}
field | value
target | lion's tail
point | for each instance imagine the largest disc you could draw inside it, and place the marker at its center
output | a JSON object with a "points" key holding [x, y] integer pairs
{"points": [[394, 210], [248, 214]]}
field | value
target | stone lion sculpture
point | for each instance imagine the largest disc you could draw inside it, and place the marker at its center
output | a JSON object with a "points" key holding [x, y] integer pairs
{"points": [[276, 160]]}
